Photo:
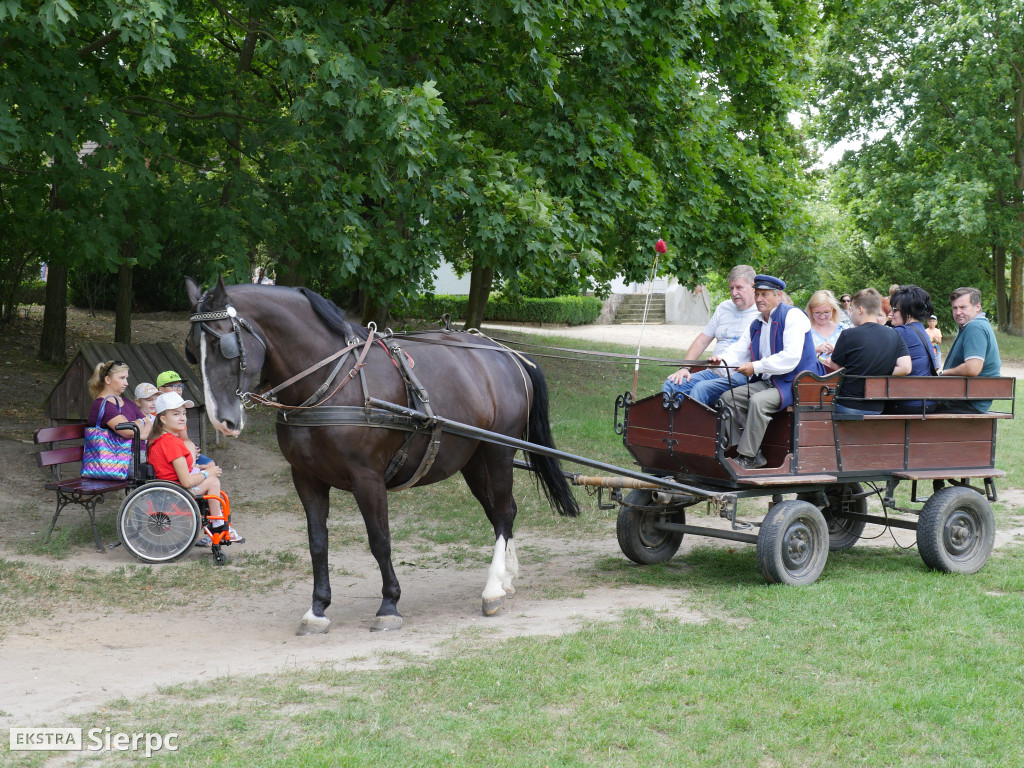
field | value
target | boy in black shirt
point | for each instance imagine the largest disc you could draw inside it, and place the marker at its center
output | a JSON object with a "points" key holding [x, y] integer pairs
{"points": [[867, 349]]}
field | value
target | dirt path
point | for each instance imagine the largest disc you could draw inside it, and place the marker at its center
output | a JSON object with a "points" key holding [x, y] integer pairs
{"points": [[74, 661]]}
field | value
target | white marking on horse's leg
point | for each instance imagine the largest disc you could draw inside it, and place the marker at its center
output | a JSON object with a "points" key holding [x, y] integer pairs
{"points": [[312, 624], [511, 568], [494, 592]]}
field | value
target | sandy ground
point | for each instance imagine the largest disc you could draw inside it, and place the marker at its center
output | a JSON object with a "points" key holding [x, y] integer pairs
{"points": [[79, 658]]}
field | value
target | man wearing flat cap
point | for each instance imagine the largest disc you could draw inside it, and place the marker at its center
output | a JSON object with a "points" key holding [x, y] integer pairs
{"points": [[772, 351]]}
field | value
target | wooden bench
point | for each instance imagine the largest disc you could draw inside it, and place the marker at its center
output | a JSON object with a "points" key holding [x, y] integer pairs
{"points": [[949, 443], [63, 449]]}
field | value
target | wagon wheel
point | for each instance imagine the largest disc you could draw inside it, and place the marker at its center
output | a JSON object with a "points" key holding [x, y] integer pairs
{"points": [[792, 546], [158, 522], [842, 533], [956, 530], [639, 540]]}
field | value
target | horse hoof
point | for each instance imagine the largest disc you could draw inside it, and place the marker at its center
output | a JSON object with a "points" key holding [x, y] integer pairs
{"points": [[312, 624], [385, 623], [492, 605]]}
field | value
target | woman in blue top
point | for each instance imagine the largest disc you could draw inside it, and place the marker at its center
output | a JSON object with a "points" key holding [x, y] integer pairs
{"points": [[911, 306]]}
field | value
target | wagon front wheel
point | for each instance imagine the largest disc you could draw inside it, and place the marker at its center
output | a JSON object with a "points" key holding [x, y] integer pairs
{"points": [[956, 530], [792, 546], [638, 537]]}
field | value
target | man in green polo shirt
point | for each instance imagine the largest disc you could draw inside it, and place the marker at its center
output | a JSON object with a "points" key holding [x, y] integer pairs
{"points": [[974, 351]]}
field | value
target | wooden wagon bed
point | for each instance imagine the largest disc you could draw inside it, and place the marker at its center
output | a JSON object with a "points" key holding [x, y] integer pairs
{"points": [[811, 443]]}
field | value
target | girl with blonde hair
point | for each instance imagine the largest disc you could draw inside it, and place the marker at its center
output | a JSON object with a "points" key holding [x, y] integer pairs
{"points": [[106, 385]]}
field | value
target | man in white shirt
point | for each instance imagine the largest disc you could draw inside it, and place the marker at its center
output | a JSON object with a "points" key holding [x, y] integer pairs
{"points": [[731, 318], [777, 346]]}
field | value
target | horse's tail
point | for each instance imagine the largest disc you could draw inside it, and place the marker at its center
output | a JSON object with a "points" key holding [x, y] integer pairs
{"points": [[547, 469]]}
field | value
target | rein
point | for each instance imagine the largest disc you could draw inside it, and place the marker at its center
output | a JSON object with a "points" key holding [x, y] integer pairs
{"points": [[616, 356], [267, 396]]}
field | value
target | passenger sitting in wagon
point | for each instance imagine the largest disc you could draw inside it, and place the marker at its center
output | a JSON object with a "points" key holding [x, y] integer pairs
{"points": [[911, 306], [974, 351], [776, 347], [867, 349], [726, 326]]}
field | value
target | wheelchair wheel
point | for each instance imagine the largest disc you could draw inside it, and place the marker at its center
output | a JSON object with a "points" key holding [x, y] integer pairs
{"points": [[158, 522]]}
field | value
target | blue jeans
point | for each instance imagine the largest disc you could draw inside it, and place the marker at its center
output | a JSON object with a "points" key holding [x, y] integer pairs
{"points": [[704, 386]]}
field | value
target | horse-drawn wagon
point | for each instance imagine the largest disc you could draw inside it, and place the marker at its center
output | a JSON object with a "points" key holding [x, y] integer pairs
{"points": [[424, 406], [833, 463]]}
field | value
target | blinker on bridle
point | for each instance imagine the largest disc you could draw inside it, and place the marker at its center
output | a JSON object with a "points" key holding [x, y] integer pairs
{"points": [[230, 342]]}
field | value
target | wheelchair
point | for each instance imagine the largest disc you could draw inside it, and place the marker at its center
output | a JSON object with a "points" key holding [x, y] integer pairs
{"points": [[159, 522]]}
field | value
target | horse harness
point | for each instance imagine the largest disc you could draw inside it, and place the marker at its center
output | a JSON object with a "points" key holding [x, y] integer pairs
{"points": [[312, 413], [231, 344]]}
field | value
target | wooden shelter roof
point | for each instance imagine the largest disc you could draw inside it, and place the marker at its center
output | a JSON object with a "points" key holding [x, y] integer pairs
{"points": [[69, 400]]}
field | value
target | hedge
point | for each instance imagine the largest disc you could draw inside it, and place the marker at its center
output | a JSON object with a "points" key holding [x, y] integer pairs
{"points": [[560, 310], [33, 292]]}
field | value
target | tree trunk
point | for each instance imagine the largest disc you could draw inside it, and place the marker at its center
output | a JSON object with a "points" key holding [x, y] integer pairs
{"points": [[480, 280], [1016, 326], [123, 310], [999, 278], [53, 341], [375, 313], [1016, 313]]}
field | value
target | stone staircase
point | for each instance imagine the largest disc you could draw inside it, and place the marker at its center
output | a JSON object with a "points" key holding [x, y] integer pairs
{"points": [[631, 309]]}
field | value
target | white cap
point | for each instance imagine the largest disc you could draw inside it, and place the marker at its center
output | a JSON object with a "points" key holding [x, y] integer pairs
{"points": [[168, 401], [144, 390]]}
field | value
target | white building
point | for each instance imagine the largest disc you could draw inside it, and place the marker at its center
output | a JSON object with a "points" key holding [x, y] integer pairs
{"points": [[682, 306]]}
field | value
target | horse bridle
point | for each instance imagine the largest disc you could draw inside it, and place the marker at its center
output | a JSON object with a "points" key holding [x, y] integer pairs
{"points": [[230, 342]]}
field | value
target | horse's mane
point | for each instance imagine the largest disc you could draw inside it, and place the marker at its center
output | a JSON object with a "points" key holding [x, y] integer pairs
{"points": [[333, 316]]}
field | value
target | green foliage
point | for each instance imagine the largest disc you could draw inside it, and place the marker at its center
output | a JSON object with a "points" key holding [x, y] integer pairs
{"points": [[349, 144], [157, 287], [937, 91], [562, 310], [33, 292]]}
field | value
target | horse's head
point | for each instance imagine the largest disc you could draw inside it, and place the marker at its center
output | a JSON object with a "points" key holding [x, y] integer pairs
{"points": [[229, 351]]}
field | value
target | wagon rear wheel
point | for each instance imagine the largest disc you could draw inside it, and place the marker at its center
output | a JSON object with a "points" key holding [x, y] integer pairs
{"points": [[639, 540], [956, 530], [158, 522], [842, 533], [792, 546]]}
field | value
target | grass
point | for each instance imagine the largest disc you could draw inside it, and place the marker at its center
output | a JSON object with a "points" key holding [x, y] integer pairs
{"points": [[1011, 348], [880, 663]]}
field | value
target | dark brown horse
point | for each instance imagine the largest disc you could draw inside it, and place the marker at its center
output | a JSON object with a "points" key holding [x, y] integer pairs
{"points": [[246, 332]]}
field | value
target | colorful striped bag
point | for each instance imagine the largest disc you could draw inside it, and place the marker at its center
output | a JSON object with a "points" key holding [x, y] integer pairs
{"points": [[105, 456]]}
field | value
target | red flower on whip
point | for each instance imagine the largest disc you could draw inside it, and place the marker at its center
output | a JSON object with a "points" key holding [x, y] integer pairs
{"points": [[660, 246]]}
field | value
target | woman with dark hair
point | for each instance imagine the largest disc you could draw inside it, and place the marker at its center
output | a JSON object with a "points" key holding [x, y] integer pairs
{"points": [[911, 307]]}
